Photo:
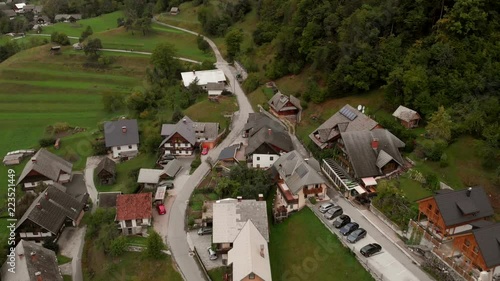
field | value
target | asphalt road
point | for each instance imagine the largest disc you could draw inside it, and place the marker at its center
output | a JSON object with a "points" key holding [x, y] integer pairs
{"points": [[176, 234]]}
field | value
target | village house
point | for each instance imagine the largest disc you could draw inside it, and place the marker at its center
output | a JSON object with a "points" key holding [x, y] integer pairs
{"points": [[451, 211], [122, 137], [174, 11], [51, 211], [296, 181], [11, 14], [106, 171], [152, 178], [249, 257], [347, 119], [203, 78], [231, 215], [180, 139], [134, 212], [285, 106], [67, 17], [408, 117], [227, 156], [32, 263], [107, 199], [369, 154], [45, 167], [215, 89], [265, 137], [476, 252]]}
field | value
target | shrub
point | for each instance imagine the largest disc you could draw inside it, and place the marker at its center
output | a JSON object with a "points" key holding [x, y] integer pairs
{"points": [[45, 142], [432, 182], [60, 127], [118, 246], [312, 200], [51, 245], [252, 82], [99, 147], [60, 38], [196, 163], [444, 161]]}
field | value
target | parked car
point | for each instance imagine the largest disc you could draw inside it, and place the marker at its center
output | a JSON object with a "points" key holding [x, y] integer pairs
{"points": [[168, 157], [325, 207], [370, 249], [161, 209], [348, 228], [169, 184], [163, 162], [205, 230], [204, 151], [356, 235], [211, 253], [333, 212], [341, 221]]}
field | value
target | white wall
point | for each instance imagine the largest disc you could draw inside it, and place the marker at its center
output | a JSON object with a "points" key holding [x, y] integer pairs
{"points": [[123, 148], [135, 227], [263, 160], [31, 235]]}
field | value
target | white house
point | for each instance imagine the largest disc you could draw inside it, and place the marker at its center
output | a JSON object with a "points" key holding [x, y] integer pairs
{"points": [[264, 161], [134, 212], [122, 136], [204, 77]]}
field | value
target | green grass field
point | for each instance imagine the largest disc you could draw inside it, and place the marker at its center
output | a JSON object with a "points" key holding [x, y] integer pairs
{"points": [[297, 244], [209, 111], [98, 24]]}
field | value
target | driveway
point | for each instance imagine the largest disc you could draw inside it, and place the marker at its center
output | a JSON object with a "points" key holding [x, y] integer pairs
{"points": [[92, 163], [202, 242], [392, 263], [71, 245], [177, 236]]}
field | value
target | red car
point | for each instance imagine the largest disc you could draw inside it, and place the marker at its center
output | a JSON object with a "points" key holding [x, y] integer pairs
{"points": [[161, 209], [204, 151]]}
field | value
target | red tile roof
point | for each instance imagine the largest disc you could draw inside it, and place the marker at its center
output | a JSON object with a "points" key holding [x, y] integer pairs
{"points": [[134, 206]]}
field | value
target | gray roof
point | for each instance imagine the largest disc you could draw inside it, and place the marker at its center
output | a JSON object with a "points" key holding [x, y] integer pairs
{"points": [[107, 165], [296, 172], [172, 168], [458, 208], [366, 161], [190, 130], [230, 216], [406, 114], [51, 208], [279, 139], [215, 86], [257, 121], [9, 13], [347, 119], [114, 135], [30, 259], [47, 164], [67, 16], [149, 175], [228, 152], [488, 240], [278, 102], [107, 199]]}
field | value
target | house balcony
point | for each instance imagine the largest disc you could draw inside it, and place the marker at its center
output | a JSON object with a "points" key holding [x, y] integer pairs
{"points": [[287, 194]]}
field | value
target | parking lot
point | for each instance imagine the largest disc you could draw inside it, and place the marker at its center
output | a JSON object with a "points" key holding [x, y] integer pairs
{"points": [[385, 265], [202, 242]]}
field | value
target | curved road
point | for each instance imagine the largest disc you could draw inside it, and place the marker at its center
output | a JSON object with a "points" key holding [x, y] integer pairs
{"points": [[176, 235]]}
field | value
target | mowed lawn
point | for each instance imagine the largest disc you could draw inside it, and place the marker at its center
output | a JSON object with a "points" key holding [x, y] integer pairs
{"points": [[39, 89], [209, 111], [98, 24], [301, 248]]}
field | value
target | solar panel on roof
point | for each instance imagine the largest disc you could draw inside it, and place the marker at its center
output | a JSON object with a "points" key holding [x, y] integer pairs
{"points": [[301, 171], [348, 113]]}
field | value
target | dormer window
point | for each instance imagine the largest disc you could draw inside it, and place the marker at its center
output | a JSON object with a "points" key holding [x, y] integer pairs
{"points": [[251, 276]]}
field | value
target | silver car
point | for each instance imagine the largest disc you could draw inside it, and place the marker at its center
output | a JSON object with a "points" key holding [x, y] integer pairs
{"points": [[211, 253], [325, 207], [333, 212]]}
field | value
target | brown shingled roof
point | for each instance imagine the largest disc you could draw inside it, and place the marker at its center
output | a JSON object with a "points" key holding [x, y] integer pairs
{"points": [[134, 206]]}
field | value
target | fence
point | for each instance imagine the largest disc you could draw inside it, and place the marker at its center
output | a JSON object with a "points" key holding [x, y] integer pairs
{"points": [[201, 265]]}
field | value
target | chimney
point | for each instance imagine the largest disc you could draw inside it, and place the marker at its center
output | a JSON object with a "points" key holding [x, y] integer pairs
{"points": [[468, 192], [184, 119], [306, 160], [124, 129], [33, 159], [375, 143], [33, 256], [261, 250], [261, 197], [269, 131], [38, 205], [194, 71], [46, 195], [239, 198]]}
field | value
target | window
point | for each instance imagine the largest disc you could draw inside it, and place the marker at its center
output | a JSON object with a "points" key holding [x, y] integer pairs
{"points": [[118, 148], [258, 158], [251, 276], [429, 207], [138, 221], [271, 158], [128, 223], [476, 249], [467, 242], [130, 146]]}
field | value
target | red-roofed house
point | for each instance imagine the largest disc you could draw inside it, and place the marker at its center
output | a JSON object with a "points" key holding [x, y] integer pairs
{"points": [[133, 212]]}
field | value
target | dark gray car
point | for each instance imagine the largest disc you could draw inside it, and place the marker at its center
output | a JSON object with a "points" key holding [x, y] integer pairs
{"points": [[333, 213], [356, 235], [348, 228], [341, 221]]}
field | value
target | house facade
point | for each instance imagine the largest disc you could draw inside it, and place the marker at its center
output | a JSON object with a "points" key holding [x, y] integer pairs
{"points": [[285, 106], [297, 181], [49, 213], [134, 212], [122, 137], [182, 138], [106, 171], [45, 168], [409, 118], [450, 210], [347, 119], [263, 161]]}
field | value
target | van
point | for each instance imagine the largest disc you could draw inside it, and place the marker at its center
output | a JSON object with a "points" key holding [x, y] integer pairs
{"points": [[211, 254]]}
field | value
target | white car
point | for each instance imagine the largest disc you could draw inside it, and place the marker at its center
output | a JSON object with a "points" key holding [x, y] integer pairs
{"points": [[212, 254], [323, 208]]}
